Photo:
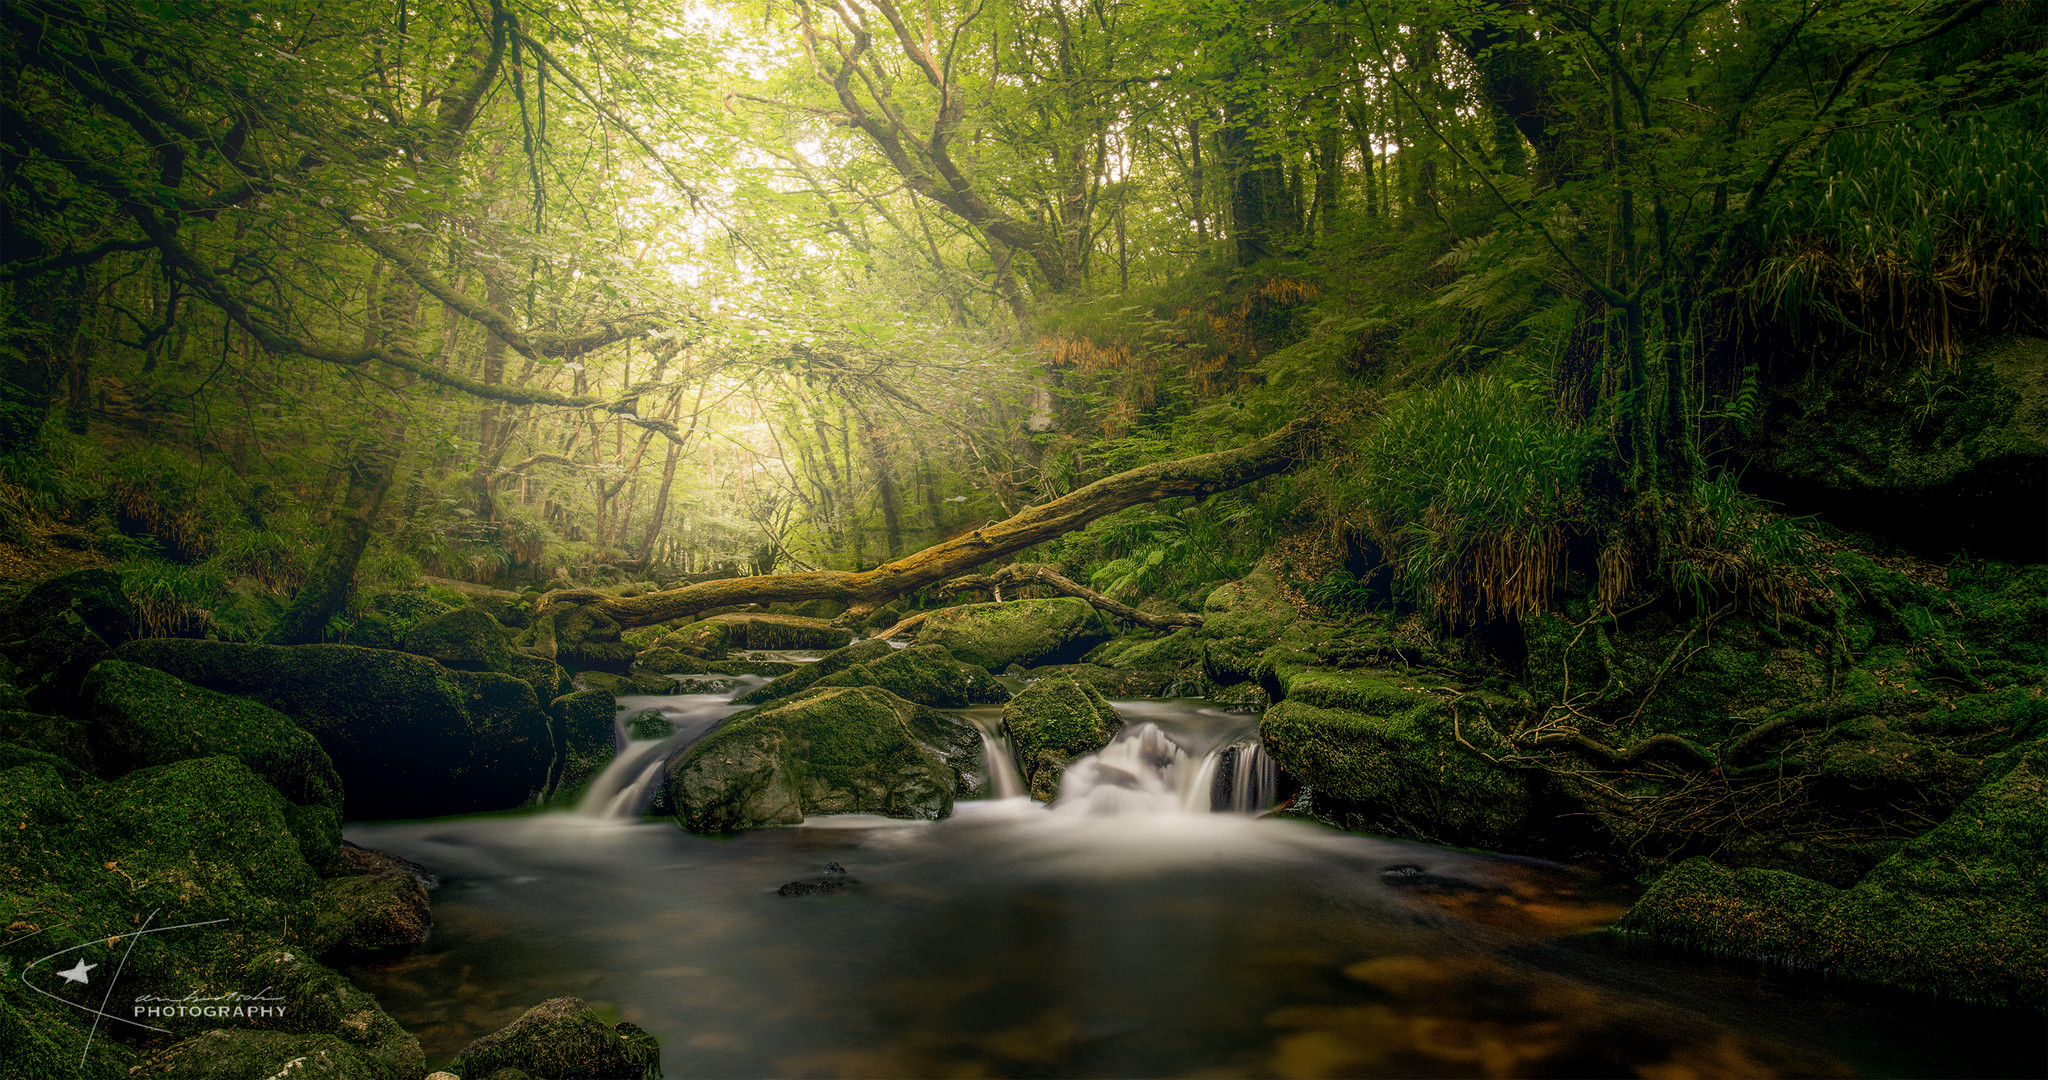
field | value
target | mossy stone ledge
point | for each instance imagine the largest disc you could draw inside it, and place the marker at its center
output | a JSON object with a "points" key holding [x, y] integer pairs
{"points": [[1052, 722]]}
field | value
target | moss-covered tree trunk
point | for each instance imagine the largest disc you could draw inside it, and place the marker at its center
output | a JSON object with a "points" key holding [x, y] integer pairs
{"points": [[1205, 474], [373, 465]]}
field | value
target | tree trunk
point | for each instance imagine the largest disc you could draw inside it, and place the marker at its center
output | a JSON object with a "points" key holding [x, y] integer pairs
{"points": [[372, 467], [863, 591]]}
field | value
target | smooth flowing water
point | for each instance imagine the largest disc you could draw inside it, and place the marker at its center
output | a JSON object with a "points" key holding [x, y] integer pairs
{"points": [[1146, 924]]}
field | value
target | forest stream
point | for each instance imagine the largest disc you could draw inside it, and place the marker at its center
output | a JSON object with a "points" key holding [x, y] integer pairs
{"points": [[1151, 921]]}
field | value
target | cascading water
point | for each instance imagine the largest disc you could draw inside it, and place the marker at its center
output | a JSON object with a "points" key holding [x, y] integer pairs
{"points": [[625, 787], [1172, 759]]}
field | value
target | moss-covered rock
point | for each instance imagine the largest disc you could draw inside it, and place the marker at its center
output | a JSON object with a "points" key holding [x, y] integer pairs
{"points": [[59, 631], [663, 660], [925, 674], [240, 1054], [140, 717], [409, 737], [318, 1000], [649, 724], [643, 683], [860, 652], [1026, 632], [1961, 910], [247, 611], [564, 1039], [376, 913], [1052, 722], [1404, 759], [1117, 682], [586, 733], [829, 750], [65, 737], [744, 630], [465, 638]]}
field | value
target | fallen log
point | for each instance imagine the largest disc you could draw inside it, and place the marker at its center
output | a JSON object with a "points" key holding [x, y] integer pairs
{"points": [[863, 591], [1040, 574]]}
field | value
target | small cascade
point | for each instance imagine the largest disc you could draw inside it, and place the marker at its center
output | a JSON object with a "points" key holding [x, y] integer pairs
{"points": [[1246, 779], [1147, 769], [626, 786], [1004, 781]]}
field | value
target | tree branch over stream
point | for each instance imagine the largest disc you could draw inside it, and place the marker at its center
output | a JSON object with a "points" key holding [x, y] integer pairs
{"points": [[1205, 474]]}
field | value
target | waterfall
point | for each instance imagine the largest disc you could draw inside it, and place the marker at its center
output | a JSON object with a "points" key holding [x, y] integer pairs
{"points": [[1004, 781], [623, 790], [1148, 770]]}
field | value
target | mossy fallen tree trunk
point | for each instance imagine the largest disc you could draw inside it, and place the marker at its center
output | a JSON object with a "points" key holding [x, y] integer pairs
{"points": [[1040, 574], [862, 591]]}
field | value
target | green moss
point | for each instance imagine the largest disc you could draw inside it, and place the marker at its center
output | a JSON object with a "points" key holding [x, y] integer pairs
{"points": [[748, 631], [649, 724], [318, 999], [464, 638], [1392, 750], [1957, 911], [1118, 682], [925, 674], [804, 675], [1052, 722], [239, 1054], [142, 717], [61, 736], [829, 750], [564, 1039], [1026, 632], [584, 728], [399, 727], [663, 660]]}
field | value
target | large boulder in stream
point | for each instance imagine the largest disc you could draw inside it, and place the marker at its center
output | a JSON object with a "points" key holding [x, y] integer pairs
{"points": [[1052, 722], [409, 737], [832, 663], [829, 750], [1026, 632], [1960, 911], [563, 1039]]}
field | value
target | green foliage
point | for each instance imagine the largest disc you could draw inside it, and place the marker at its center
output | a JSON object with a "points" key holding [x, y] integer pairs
{"points": [[1471, 488], [170, 598]]}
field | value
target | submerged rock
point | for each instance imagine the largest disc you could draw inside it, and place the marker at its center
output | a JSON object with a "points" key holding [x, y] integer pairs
{"points": [[1051, 723], [829, 750], [409, 737], [1962, 910], [1027, 632], [564, 1039]]}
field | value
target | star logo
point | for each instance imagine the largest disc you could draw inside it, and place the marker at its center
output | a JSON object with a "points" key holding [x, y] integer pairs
{"points": [[77, 972]]}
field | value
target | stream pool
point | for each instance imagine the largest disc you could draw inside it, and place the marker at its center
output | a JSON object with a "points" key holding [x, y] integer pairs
{"points": [[1130, 930]]}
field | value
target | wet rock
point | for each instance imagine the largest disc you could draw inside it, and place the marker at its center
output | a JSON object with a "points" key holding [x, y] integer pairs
{"points": [[409, 737], [663, 660], [815, 886], [139, 717], [381, 912], [1028, 632], [649, 724], [563, 1039], [1240, 621], [1109, 682], [1392, 752], [621, 685], [765, 631], [1052, 722], [767, 669], [805, 675], [829, 750], [1959, 911], [319, 1000], [241, 1054], [925, 674], [588, 740]]}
